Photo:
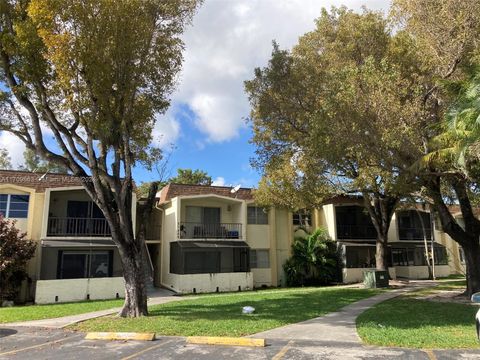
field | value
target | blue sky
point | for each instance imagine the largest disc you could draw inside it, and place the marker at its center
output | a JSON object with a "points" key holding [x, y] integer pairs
{"points": [[226, 162], [225, 42]]}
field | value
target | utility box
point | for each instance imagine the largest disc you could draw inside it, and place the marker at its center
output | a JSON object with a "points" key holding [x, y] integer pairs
{"points": [[374, 278]]}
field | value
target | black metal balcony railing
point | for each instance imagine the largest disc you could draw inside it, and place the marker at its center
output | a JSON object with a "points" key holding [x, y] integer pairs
{"points": [[356, 232], [94, 227], [414, 233], [190, 230]]}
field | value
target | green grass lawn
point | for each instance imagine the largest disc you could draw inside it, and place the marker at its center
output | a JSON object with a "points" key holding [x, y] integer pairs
{"points": [[37, 312], [409, 322], [221, 315]]}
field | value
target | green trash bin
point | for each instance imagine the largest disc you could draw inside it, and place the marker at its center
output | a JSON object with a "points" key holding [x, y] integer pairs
{"points": [[374, 278]]}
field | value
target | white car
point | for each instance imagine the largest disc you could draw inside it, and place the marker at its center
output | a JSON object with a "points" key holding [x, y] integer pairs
{"points": [[476, 299]]}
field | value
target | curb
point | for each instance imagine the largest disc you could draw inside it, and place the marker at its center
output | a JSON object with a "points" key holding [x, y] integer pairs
{"points": [[120, 336], [231, 341]]}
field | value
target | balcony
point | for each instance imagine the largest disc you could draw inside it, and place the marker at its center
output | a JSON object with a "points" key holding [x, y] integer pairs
{"points": [[360, 232], [72, 227], [192, 230], [414, 233]]}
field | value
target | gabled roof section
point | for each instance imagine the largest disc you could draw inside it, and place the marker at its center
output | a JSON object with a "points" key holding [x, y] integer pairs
{"points": [[173, 190], [38, 181]]}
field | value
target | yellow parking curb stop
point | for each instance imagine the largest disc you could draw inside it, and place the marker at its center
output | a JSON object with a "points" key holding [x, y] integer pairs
{"points": [[120, 336], [212, 340]]}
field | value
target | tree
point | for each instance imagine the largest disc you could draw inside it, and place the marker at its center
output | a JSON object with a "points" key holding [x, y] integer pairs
{"points": [[94, 73], [445, 36], [314, 260], [318, 111], [33, 162], [191, 177], [184, 176], [5, 161], [15, 251]]}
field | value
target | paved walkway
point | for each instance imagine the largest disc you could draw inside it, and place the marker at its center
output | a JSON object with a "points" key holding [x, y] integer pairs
{"points": [[338, 326], [159, 296]]}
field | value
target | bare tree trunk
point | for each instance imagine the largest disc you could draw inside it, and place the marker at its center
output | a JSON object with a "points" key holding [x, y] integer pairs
{"points": [[380, 255], [381, 210], [134, 274], [472, 262]]}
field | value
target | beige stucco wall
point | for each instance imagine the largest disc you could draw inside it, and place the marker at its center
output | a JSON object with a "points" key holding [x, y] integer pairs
{"points": [[169, 234], [229, 210], [206, 283], [77, 289], [421, 272], [32, 225], [284, 234]]}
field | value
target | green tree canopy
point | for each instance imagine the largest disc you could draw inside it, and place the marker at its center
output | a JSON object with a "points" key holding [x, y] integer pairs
{"points": [[94, 75], [323, 116], [191, 177]]}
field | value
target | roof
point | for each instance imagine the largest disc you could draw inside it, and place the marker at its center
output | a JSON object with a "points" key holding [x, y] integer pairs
{"points": [[173, 190], [38, 181]]}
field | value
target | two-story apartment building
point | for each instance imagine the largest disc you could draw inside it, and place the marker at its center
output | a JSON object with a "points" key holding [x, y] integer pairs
{"points": [[350, 225], [200, 239], [215, 239], [76, 258]]}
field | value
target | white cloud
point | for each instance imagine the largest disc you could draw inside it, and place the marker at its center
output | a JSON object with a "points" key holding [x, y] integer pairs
{"points": [[227, 41], [14, 146], [166, 131], [219, 181]]}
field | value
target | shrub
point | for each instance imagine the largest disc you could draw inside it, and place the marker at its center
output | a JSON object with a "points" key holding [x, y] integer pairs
{"points": [[314, 260], [15, 251]]}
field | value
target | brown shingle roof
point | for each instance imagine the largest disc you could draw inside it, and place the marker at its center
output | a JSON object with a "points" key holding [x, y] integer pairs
{"points": [[173, 190], [38, 181]]}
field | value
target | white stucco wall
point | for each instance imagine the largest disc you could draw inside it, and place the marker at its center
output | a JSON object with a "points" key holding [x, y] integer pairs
{"points": [[77, 289], [355, 275], [206, 283]]}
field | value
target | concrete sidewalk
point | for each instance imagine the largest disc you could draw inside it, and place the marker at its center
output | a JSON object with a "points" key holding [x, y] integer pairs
{"points": [[159, 296], [338, 326]]}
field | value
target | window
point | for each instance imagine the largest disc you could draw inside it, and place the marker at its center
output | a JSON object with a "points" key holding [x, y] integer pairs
{"points": [[198, 262], [207, 257], [84, 264], [302, 218], [441, 257], [257, 215], [461, 255], [416, 256], [353, 222], [412, 224], [14, 206], [360, 256], [259, 259]]}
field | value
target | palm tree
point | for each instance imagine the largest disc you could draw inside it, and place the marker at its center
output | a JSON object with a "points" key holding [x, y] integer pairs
{"points": [[313, 261]]}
